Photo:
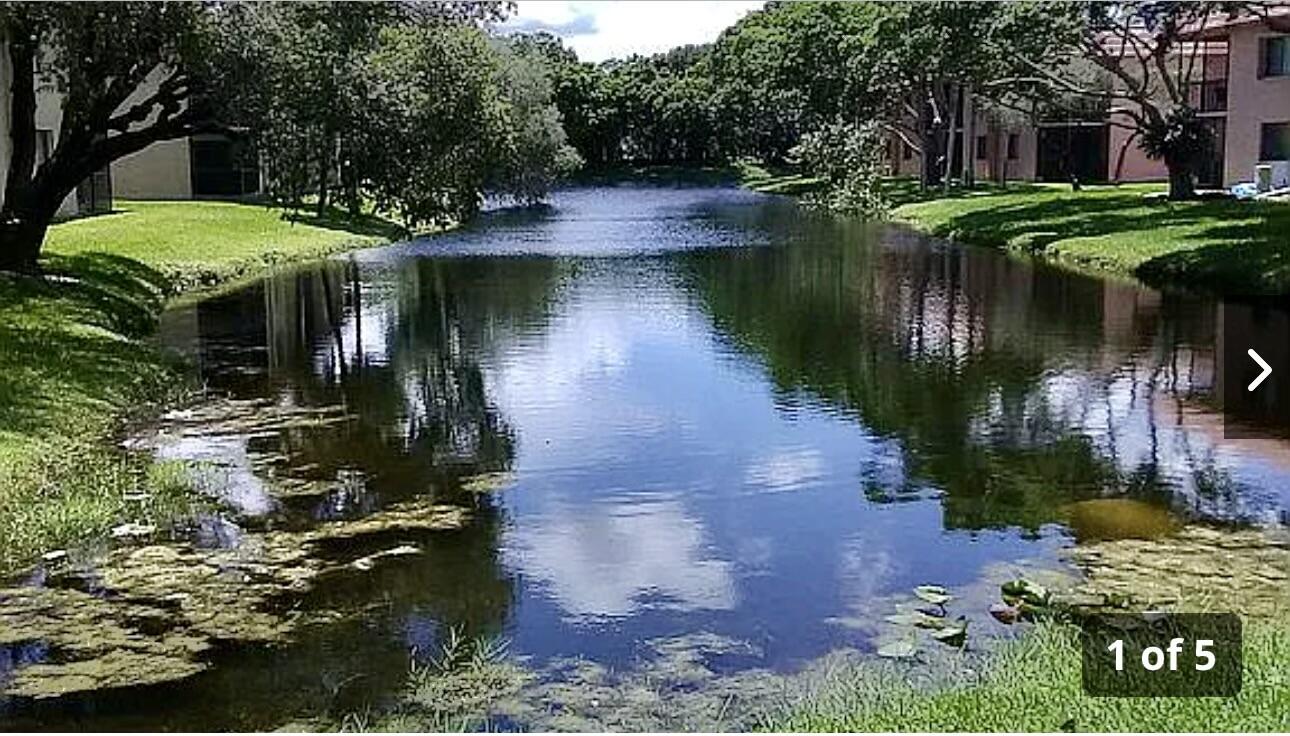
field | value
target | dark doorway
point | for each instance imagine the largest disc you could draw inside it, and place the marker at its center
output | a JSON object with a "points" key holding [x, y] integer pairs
{"points": [[1078, 151], [224, 166], [1210, 172]]}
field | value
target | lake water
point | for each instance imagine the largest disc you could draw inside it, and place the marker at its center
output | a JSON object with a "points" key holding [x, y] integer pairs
{"points": [[711, 413]]}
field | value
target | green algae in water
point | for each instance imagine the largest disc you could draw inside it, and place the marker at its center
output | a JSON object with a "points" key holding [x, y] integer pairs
{"points": [[156, 611], [1204, 568], [1119, 518]]}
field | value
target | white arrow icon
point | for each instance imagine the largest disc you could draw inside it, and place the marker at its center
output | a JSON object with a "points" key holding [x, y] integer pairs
{"points": [[1267, 370]]}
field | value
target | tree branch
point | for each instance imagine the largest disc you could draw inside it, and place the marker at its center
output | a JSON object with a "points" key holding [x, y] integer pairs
{"points": [[171, 93]]}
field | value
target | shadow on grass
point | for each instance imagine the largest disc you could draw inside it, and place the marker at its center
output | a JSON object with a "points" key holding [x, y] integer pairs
{"points": [[340, 220], [1228, 247], [69, 340], [1244, 253]]}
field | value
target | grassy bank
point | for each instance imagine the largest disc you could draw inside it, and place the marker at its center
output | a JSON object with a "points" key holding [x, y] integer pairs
{"points": [[1034, 685], [75, 364], [774, 180], [1223, 246], [195, 244]]}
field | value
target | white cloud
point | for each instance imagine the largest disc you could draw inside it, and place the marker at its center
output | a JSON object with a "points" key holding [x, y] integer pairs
{"points": [[603, 30], [786, 470], [613, 560]]}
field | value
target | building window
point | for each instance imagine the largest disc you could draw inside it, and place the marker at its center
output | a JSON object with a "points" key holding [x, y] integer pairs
{"points": [[982, 145], [908, 152], [1014, 143], [1274, 142], [1274, 56]]}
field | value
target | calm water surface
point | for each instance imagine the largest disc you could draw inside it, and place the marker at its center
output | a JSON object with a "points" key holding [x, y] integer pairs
{"points": [[714, 413]]}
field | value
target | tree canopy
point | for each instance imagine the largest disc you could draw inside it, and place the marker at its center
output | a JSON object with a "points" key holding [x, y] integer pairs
{"points": [[421, 110], [408, 106]]}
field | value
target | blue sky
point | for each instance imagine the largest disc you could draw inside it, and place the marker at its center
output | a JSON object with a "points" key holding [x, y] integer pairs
{"points": [[607, 29]]}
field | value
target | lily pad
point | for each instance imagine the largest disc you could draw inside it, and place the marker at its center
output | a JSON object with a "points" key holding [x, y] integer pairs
{"points": [[898, 649], [953, 633], [934, 594], [1004, 613], [918, 619], [1025, 590]]}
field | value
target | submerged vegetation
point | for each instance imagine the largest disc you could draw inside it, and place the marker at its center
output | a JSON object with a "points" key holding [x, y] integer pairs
{"points": [[77, 365]]}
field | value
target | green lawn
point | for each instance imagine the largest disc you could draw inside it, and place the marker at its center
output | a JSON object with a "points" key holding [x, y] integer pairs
{"points": [[73, 366], [774, 180], [1224, 246], [75, 363], [201, 243], [1034, 685]]}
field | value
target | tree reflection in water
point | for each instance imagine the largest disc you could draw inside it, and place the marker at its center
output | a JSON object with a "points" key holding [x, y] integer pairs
{"points": [[402, 354], [1013, 389]]}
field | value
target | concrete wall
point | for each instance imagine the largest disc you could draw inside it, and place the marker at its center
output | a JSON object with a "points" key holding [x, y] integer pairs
{"points": [[1136, 165], [1026, 166], [1250, 102], [160, 171]]}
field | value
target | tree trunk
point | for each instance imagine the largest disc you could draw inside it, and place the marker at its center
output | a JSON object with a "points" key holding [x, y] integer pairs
{"points": [[953, 136], [22, 114], [969, 139], [1181, 184], [324, 189], [324, 173], [22, 240]]}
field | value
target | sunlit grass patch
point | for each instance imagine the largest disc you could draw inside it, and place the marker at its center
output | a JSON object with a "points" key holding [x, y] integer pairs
{"points": [[202, 243], [775, 180], [1221, 245], [73, 365], [1033, 684], [62, 494]]}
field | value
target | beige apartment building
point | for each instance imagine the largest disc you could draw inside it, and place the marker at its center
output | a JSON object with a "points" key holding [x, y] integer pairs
{"points": [[204, 166], [211, 166], [1242, 90], [94, 195]]}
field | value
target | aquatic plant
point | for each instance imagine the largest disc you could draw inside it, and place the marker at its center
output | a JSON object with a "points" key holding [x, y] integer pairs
{"points": [[936, 621]]}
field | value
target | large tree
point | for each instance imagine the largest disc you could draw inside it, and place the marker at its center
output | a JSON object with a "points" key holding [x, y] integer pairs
{"points": [[795, 68], [1149, 59], [785, 70], [534, 151], [924, 66], [322, 101], [129, 74]]}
